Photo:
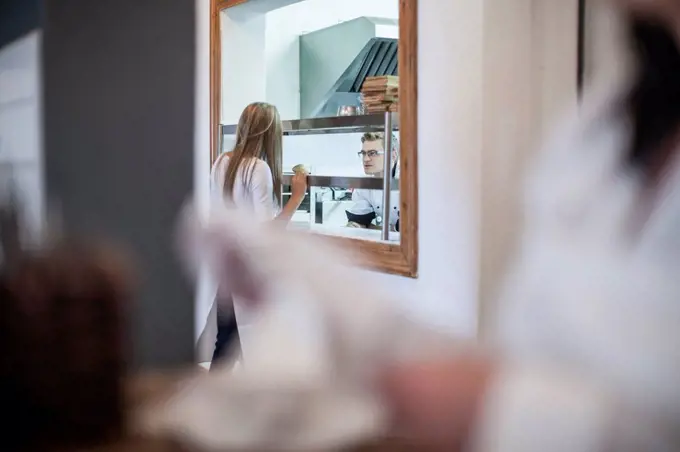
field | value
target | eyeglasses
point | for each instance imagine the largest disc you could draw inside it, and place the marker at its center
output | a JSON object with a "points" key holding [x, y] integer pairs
{"points": [[370, 154]]}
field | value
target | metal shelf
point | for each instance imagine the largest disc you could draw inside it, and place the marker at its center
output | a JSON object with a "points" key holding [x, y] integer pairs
{"points": [[336, 124], [372, 183]]}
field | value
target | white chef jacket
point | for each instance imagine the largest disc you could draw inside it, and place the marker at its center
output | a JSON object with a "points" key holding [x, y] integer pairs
{"points": [[368, 201], [589, 325]]}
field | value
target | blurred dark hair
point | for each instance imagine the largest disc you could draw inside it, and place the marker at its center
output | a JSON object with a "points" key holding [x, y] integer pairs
{"points": [[654, 101], [62, 354]]}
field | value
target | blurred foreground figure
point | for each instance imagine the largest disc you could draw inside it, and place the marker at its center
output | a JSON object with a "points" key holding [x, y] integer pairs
{"points": [[316, 344], [61, 348], [587, 358], [588, 355]]}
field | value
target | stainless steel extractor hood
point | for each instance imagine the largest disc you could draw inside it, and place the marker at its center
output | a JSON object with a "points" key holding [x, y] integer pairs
{"points": [[334, 62]]}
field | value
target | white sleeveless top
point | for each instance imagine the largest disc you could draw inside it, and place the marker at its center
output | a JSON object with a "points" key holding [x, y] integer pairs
{"points": [[256, 197]]}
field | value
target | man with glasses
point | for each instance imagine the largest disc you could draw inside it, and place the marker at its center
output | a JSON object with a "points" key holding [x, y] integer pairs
{"points": [[367, 211]]}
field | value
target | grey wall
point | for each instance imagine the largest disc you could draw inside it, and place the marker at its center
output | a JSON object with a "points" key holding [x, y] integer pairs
{"points": [[17, 18], [118, 124]]}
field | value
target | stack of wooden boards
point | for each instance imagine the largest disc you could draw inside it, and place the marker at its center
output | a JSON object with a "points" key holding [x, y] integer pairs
{"points": [[380, 94]]}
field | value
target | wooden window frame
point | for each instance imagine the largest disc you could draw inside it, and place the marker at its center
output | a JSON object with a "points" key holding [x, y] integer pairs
{"points": [[399, 259]]}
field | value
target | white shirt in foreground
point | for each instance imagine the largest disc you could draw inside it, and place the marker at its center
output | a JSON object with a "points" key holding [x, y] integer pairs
{"points": [[588, 325]]}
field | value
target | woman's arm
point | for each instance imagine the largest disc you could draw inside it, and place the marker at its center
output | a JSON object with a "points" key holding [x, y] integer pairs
{"points": [[298, 191], [262, 187]]}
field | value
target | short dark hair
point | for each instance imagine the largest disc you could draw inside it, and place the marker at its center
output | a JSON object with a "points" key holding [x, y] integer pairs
{"points": [[653, 104]]}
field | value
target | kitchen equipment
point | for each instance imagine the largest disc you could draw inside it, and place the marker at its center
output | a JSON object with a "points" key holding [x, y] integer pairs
{"points": [[377, 57], [348, 110]]}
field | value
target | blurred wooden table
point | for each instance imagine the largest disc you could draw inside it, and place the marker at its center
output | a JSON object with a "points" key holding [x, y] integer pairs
{"points": [[150, 388]]}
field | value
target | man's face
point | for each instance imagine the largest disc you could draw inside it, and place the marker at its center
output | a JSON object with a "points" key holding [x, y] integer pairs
{"points": [[373, 156]]}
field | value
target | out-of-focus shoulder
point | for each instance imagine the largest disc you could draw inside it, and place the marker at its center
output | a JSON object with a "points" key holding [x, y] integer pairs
{"points": [[598, 110], [581, 142]]}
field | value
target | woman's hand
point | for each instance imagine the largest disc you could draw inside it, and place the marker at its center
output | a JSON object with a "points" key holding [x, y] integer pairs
{"points": [[436, 403], [299, 186]]}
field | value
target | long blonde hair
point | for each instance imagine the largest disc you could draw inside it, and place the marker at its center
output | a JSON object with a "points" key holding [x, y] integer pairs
{"points": [[259, 135]]}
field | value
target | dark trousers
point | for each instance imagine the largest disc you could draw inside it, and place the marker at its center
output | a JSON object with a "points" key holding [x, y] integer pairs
{"points": [[228, 341]]}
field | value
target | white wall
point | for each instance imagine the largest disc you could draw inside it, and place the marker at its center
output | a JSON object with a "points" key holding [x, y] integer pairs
{"points": [[243, 63], [503, 73], [243, 46], [326, 155], [530, 79], [479, 114], [21, 125], [450, 126], [605, 56]]}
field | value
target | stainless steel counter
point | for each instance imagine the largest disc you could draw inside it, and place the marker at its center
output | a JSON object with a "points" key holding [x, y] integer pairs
{"points": [[372, 183]]}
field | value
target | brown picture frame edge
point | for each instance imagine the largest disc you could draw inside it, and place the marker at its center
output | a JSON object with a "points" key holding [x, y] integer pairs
{"points": [[399, 259]]}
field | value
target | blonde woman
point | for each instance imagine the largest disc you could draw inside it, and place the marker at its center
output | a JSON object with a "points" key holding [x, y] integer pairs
{"points": [[249, 177]]}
